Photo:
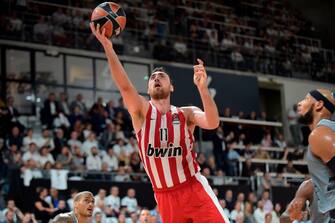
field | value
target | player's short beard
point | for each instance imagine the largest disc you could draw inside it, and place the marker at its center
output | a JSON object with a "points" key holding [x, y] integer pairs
{"points": [[161, 94], [307, 118]]}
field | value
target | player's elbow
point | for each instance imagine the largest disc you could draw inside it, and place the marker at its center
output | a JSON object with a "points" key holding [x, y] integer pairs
{"points": [[214, 123]]}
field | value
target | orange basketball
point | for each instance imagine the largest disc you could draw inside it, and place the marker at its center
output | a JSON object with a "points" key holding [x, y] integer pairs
{"points": [[111, 17]]}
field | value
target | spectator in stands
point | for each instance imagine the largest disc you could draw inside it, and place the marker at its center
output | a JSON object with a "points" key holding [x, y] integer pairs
{"points": [[49, 111], [15, 138], [15, 24], [236, 211], [290, 168], [69, 201], [64, 106], [267, 140], [100, 198], [180, 48], [276, 213], [261, 153], [29, 138], [229, 200], [97, 116], [108, 136], [78, 160], [9, 217], [248, 213], [145, 216], [130, 201], [279, 181], [89, 143], [45, 156], [12, 115], [267, 203], [93, 161], [111, 159], [110, 109], [218, 147], [53, 198], [61, 208], [232, 159], [76, 115], [120, 151], [237, 58], [73, 141], [31, 153], [247, 152], [122, 175], [113, 202], [259, 214], [11, 207], [30, 171], [59, 142], [13, 158], [42, 209], [46, 140], [82, 110], [65, 157], [135, 164], [293, 125], [222, 202]]}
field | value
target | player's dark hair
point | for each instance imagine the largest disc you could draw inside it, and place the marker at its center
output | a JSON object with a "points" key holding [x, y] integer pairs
{"points": [[160, 69]]}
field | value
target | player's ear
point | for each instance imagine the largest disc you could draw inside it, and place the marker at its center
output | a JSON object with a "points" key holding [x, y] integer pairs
{"points": [[171, 88], [318, 105]]}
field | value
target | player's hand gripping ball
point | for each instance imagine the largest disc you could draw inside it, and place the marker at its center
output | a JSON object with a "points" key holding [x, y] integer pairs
{"points": [[110, 16]]}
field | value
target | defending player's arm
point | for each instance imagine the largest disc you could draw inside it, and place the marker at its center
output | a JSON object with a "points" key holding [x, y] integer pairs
{"points": [[135, 103], [209, 118], [294, 210], [322, 144]]}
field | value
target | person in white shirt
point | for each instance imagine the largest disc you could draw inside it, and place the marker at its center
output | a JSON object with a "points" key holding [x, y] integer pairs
{"points": [[113, 202], [69, 201], [45, 140], [31, 153], [259, 213], [224, 207], [130, 201], [111, 159], [131, 146], [236, 211], [89, 143], [28, 139], [93, 161], [45, 156], [100, 197], [73, 141]]}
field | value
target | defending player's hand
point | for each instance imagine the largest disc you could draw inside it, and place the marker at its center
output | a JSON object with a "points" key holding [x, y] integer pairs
{"points": [[200, 75], [295, 209], [100, 34]]}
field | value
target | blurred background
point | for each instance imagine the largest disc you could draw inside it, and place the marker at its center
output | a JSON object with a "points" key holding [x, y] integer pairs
{"points": [[64, 128]]}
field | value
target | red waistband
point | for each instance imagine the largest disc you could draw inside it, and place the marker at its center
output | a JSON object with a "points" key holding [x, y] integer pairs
{"points": [[179, 186]]}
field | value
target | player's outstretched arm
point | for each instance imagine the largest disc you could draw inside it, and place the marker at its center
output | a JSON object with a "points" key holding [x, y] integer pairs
{"points": [[209, 118], [295, 210], [322, 144], [134, 102]]}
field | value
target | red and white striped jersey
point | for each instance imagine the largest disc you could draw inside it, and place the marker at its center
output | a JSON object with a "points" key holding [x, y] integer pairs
{"points": [[166, 148]]}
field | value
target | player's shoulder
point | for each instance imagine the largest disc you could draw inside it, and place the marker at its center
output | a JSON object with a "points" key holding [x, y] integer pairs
{"points": [[320, 132], [63, 218]]}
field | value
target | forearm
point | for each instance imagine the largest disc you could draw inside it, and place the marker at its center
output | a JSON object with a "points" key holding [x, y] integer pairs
{"points": [[119, 75], [210, 108]]}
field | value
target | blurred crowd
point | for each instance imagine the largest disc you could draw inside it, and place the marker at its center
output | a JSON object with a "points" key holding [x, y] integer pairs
{"points": [[259, 36], [109, 207]]}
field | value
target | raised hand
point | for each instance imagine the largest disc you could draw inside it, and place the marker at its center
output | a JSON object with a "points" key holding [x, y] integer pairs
{"points": [[100, 34], [200, 75]]}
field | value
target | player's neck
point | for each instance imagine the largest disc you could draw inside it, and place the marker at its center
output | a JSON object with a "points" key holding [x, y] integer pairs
{"points": [[317, 119], [163, 105]]}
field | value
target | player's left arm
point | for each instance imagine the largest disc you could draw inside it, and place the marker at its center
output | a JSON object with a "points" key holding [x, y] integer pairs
{"points": [[209, 118], [322, 144]]}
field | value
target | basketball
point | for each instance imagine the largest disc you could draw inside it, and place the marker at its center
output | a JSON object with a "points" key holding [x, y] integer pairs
{"points": [[110, 16]]}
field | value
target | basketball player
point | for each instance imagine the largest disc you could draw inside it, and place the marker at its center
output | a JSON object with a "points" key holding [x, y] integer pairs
{"points": [[315, 110], [83, 209], [165, 138]]}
